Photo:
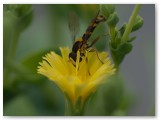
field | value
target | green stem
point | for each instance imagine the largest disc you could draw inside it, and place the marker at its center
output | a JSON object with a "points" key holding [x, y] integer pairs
{"points": [[11, 54], [13, 46], [131, 23]]}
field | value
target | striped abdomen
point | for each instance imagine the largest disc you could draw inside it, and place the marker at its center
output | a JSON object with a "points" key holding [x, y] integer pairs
{"points": [[90, 29]]}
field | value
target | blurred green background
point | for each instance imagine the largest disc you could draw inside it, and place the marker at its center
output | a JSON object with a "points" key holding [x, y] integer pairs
{"points": [[30, 31]]}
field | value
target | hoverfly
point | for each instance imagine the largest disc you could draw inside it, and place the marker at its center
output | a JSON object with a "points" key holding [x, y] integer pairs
{"points": [[81, 44]]}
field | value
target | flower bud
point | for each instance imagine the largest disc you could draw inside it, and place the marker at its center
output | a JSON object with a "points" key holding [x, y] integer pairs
{"points": [[138, 23], [107, 9], [113, 19], [23, 14], [18, 10]]}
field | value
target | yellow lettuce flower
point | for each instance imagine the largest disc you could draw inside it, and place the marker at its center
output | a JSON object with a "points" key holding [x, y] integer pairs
{"points": [[79, 81]]}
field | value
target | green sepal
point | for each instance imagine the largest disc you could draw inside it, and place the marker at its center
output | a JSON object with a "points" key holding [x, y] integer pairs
{"points": [[138, 24], [113, 19], [118, 41], [122, 29], [107, 9], [74, 109], [114, 43], [68, 105], [131, 39], [78, 110], [119, 53]]}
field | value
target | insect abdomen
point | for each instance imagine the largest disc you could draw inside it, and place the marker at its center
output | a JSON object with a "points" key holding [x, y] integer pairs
{"points": [[91, 28], [76, 46]]}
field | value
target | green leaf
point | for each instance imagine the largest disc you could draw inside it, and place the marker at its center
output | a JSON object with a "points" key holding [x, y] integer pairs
{"points": [[20, 106], [119, 53], [31, 62], [113, 93]]}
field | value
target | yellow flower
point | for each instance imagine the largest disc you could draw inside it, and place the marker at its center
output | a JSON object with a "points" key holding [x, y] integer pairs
{"points": [[79, 81]]}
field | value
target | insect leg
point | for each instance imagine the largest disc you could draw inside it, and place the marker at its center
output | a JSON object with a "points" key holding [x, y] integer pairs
{"points": [[95, 40], [86, 59], [94, 50]]}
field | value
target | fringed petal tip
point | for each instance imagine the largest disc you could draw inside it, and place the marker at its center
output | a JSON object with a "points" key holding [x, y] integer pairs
{"points": [[70, 78]]}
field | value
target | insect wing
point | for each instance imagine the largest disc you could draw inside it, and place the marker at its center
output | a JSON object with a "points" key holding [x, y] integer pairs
{"points": [[73, 24]]}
